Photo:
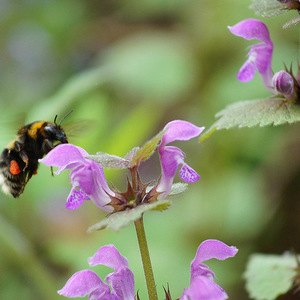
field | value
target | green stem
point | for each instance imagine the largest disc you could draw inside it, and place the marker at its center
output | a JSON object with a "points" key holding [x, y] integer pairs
{"points": [[140, 231]]}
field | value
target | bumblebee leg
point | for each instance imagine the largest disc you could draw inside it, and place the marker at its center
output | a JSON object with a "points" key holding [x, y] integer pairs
{"points": [[28, 177], [22, 153], [47, 146], [31, 171], [18, 146], [24, 157]]}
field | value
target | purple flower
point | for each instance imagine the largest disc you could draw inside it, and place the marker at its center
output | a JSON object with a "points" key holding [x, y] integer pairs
{"points": [[87, 177], [119, 286], [260, 59], [202, 284], [260, 55], [171, 157]]}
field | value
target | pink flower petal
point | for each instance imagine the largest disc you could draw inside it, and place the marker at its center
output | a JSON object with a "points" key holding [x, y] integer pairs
{"points": [[75, 199], [99, 294], [122, 283], [202, 288], [214, 249], [251, 29], [246, 72], [64, 156], [188, 174], [179, 130], [108, 256], [82, 283]]}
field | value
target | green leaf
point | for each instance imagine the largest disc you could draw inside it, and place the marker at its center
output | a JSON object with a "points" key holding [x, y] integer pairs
{"points": [[272, 111], [146, 151], [178, 188], [110, 161], [122, 219], [268, 276], [113, 161]]}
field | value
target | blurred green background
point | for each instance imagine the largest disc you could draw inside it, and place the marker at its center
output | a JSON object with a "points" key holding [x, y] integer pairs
{"points": [[129, 67]]}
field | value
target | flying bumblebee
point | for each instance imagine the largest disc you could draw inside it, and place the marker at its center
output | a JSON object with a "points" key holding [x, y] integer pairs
{"points": [[19, 160]]}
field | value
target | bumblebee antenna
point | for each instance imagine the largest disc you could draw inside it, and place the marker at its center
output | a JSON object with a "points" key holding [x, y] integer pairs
{"points": [[63, 117], [55, 120]]}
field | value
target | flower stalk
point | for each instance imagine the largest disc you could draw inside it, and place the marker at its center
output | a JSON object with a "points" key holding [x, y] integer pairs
{"points": [[140, 231]]}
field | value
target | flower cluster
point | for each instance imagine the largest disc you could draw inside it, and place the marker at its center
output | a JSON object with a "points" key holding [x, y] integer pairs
{"points": [[88, 179], [282, 83], [89, 183], [120, 284]]}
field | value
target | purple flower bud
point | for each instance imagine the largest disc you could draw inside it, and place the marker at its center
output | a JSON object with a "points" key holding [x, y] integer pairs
{"points": [[284, 84]]}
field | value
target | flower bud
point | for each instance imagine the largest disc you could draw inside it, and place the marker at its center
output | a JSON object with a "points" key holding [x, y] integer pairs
{"points": [[284, 84]]}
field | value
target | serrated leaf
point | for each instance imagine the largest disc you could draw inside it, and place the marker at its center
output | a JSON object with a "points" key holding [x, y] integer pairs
{"points": [[112, 161], [268, 8], [149, 147], [177, 188], [272, 111], [122, 219], [293, 21], [268, 276]]}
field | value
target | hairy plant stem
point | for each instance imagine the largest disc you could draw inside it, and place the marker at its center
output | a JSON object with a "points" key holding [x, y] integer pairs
{"points": [[140, 231]]}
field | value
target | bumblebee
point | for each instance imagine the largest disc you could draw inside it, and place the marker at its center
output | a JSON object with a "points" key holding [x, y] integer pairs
{"points": [[19, 160]]}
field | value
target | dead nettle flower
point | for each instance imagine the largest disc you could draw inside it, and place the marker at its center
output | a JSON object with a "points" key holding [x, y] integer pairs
{"points": [[282, 83], [202, 285], [88, 179], [172, 157], [119, 285], [270, 8]]}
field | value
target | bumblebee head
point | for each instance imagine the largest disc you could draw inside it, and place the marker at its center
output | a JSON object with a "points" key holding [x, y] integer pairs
{"points": [[55, 131]]}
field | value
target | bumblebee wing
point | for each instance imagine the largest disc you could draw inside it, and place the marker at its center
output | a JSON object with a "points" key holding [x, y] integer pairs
{"points": [[79, 127], [10, 123]]}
